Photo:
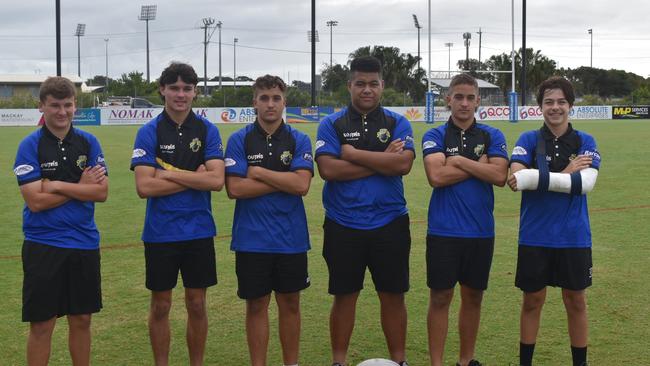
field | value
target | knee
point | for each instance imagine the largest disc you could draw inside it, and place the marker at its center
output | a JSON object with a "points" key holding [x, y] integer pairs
{"points": [[257, 306], [41, 329], [195, 306], [575, 302], [532, 303], [440, 299], [473, 298], [79, 322], [160, 308]]}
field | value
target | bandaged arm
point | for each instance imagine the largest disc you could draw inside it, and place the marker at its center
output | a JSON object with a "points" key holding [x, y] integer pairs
{"points": [[528, 179]]}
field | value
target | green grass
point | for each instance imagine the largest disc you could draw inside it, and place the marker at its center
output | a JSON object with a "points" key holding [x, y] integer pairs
{"points": [[618, 301]]}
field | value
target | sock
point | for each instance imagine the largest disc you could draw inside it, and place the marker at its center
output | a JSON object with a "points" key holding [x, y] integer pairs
{"points": [[579, 355], [526, 354]]}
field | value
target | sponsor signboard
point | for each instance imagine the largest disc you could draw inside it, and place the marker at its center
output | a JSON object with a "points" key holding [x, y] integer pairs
{"points": [[19, 117], [631, 111], [87, 117]]}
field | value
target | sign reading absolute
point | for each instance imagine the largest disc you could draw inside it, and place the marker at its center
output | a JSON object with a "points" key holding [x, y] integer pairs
{"points": [[631, 112]]}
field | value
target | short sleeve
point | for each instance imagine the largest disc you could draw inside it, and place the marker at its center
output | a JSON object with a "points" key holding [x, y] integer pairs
{"points": [[524, 149], [96, 153], [144, 148], [588, 147], [404, 132], [432, 142], [235, 160], [26, 167], [498, 146], [302, 157], [327, 141], [214, 145]]}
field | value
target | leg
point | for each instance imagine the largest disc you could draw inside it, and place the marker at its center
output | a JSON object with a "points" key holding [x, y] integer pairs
{"points": [[468, 321], [531, 312], [257, 329], [393, 323], [39, 342], [438, 323], [161, 302], [289, 319], [197, 324], [341, 324], [575, 303], [79, 339]]}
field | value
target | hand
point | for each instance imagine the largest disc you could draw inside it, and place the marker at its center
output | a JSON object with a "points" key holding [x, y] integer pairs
{"points": [[577, 164], [396, 146], [94, 175], [454, 160], [512, 182], [48, 186], [346, 151], [483, 159], [201, 169], [162, 174]]}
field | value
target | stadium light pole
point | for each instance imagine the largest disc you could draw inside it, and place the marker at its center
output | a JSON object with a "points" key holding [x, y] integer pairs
{"points": [[591, 48], [207, 22], [418, 26], [467, 36], [81, 30], [57, 12], [313, 53], [429, 70], [331, 24], [147, 13], [449, 45], [106, 76], [219, 23], [524, 54], [234, 62]]}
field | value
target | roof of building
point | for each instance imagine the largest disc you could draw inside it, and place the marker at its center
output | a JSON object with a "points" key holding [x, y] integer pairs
{"points": [[33, 78], [444, 83]]}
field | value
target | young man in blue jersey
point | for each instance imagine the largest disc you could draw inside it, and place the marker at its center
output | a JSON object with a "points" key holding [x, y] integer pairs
{"points": [[362, 153], [463, 159], [61, 173], [178, 160], [269, 167], [554, 231]]}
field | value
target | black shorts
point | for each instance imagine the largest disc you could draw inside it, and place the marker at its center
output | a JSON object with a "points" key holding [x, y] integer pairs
{"points": [[538, 267], [194, 258], [463, 260], [260, 273], [59, 281], [385, 251]]}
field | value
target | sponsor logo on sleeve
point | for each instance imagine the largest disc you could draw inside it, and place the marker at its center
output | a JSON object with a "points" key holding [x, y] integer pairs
{"points": [[23, 169], [429, 145], [319, 144], [504, 148], [229, 162], [409, 139], [138, 153], [307, 157], [593, 154], [518, 150]]}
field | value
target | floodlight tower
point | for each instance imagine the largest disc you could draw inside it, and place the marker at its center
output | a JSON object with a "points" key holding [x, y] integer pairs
{"points": [[219, 24], [449, 45], [81, 30], [331, 24], [467, 36], [234, 62], [106, 76], [591, 48], [418, 26], [147, 13]]}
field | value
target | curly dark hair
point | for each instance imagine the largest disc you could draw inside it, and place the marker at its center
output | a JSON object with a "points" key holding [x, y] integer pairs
{"points": [[556, 82], [268, 82]]}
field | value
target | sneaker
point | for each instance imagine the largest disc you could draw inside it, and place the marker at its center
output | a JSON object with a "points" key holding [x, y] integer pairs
{"points": [[472, 363], [337, 364], [403, 363]]}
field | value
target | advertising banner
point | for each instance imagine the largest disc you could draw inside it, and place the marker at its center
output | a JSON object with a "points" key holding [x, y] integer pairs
{"points": [[87, 117], [140, 116], [19, 117], [631, 111], [591, 112]]}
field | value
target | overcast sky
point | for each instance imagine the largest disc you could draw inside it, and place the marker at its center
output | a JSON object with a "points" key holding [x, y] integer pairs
{"points": [[273, 34]]}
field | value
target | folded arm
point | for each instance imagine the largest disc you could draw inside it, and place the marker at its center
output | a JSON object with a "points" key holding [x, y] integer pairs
{"points": [[394, 161], [491, 170], [440, 174]]}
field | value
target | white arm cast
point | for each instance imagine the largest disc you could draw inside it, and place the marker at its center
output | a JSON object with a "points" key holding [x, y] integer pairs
{"points": [[527, 179]]}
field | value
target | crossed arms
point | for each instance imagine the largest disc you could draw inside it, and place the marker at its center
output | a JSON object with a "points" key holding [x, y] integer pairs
{"points": [[152, 182], [444, 171]]}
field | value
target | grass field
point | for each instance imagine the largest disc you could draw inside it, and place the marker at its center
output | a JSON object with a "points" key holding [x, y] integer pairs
{"points": [[619, 301]]}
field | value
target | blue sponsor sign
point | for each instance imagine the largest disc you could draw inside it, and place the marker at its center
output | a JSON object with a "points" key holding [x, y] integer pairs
{"points": [[429, 111], [87, 117], [512, 103]]}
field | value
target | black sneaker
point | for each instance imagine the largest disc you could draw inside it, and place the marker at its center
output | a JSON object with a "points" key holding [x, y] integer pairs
{"points": [[403, 363], [337, 364], [472, 363]]}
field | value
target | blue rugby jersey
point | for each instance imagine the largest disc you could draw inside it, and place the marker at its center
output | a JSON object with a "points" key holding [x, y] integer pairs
{"points": [[41, 155], [275, 222], [464, 209], [374, 201], [163, 144], [552, 219]]}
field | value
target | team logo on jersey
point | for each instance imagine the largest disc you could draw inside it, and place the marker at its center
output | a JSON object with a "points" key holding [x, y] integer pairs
{"points": [[23, 169], [286, 157], [195, 145], [383, 135], [518, 150], [478, 150], [229, 162], [138, 153], [319, 144], [82, 161], [429, 145]]}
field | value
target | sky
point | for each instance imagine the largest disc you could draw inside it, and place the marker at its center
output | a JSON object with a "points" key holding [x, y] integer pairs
{"points": [[272, 34]]}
